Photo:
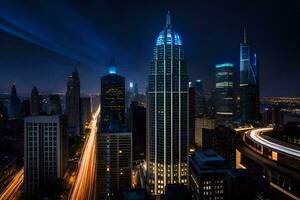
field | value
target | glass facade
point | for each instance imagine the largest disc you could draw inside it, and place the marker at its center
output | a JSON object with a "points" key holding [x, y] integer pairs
{"points": [[167, 142], [112, 100], [249, 85], [224, 89]]}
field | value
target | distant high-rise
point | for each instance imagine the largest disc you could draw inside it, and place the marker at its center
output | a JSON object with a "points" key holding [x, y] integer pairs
{"points": [[54, 104], [168, 126], [73, 104], [131, 94], [200, 98], [137, 125], [249, 84], [14, 102], [85, 110], [112, 98], [224, 91], [192, 115], [25, 108], [35, 102], [46, 151]]}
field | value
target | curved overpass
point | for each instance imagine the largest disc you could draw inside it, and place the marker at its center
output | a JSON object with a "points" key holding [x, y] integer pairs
{"points": [[257, 136], [271, 160]]}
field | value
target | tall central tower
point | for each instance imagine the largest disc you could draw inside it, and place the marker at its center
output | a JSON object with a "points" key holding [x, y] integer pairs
{"points": [[167, 134], [249, 84]]}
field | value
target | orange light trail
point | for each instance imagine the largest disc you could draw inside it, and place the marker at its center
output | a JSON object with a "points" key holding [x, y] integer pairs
{"points": [[14, 187], [84, 186]]}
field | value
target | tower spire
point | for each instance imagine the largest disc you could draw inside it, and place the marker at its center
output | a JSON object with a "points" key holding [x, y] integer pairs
{"points": [[168, 19], [245, 35]]}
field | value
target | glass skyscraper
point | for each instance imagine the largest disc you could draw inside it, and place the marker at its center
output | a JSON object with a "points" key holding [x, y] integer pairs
{"points": [[224, 89], [167, 134], [249, 84], [112, 99]]}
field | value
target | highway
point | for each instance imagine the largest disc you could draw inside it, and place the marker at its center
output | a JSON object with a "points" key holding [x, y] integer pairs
{"points": [[14, 187], [84, 186], [256, 135]]}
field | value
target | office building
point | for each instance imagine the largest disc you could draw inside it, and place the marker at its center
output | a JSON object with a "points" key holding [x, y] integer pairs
{"points": [[25, 108], [14, 103], [200, 124], [192, 115], [112, 98], [137, 125], [85, 111], [132, 93], [54, 104], [114, 161], [200, 98], [35, 102], [168, 126], [73, 104], [224, 91], [223, 141], [249, 84], [273, 116], [208, 173], [46, 151]]}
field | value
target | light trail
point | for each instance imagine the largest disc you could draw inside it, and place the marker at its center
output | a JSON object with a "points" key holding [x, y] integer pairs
{"points": [[14, 187], [84, 186], [256, 136]]}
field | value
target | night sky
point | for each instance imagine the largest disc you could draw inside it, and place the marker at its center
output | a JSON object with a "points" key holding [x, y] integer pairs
{"points": [[42, 41]]}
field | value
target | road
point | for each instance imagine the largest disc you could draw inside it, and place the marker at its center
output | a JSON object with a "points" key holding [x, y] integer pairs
{"points": [[256, 135], [84, 186], [14, 187]]}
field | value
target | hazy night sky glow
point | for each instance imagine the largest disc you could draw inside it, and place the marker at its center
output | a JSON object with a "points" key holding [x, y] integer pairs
{"points": [[42, 41]]}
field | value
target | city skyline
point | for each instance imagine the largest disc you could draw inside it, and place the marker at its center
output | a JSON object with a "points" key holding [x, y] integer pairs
{"points": [[203, 33], [197, 123]]}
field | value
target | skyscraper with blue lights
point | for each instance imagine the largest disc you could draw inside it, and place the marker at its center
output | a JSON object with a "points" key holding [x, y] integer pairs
{"points": [[167, 134], [112, 99], [249, 84], [224, 90]]}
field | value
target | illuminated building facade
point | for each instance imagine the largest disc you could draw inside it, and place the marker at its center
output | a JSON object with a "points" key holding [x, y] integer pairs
{"points": [[249, 84], [112, 98], [208, 174], [224, 91], [168, 126], [114, 161]]}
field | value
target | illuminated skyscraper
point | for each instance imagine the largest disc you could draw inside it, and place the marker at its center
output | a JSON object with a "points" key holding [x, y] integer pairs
{"points": [[112, 98], [73, 104], [249, 84], [224, 88], [167, 136]]}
